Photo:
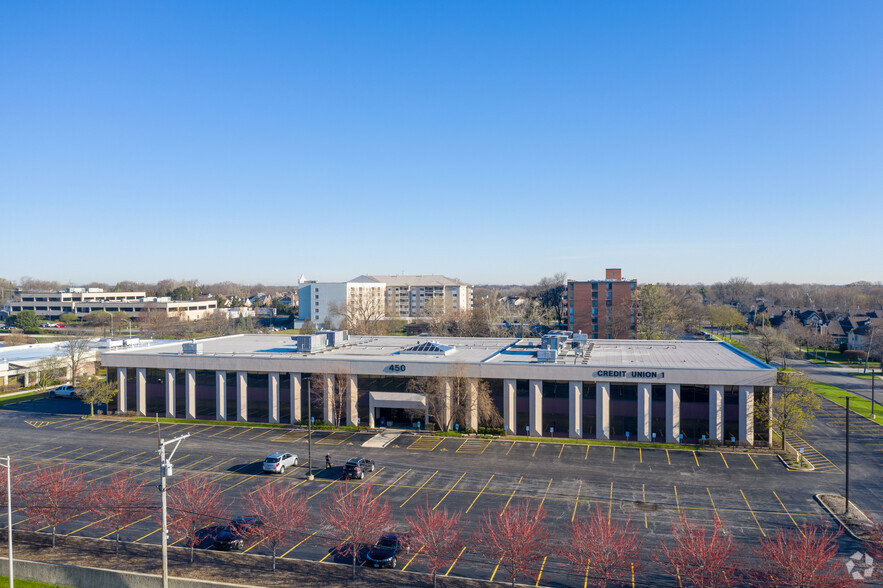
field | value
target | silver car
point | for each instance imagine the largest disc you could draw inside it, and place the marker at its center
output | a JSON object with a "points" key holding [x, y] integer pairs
{"points": [[276, 463], [66, 391]]}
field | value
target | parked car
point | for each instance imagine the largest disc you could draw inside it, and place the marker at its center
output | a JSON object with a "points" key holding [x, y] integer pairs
{"points": [[385, 552], [230, 538], [276, 463], [66, 391], [356, 467]]}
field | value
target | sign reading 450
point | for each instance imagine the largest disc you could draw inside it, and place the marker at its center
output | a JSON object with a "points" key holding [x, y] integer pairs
{"points": [[395, 368]]}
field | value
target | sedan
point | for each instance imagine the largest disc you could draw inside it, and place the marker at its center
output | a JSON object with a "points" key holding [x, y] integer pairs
{"points": [[230, 538], [385, 552]]}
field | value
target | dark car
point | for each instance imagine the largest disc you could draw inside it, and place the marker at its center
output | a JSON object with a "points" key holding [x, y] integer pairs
{"points": [[231, 537], [385, 552], [356, 468]]}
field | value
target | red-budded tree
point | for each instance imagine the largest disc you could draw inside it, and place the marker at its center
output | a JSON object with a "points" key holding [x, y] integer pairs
{"points": [[53, 495], [801, 557], [875, 539], [283, 512], [353, 519], [699, 557], [438, 536], [123, 501], [517, 538], [603, 550], [194, 503]]}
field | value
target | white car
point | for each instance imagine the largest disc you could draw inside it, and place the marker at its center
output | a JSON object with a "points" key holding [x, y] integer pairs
{"points": [[276, 463], [66, 391]]}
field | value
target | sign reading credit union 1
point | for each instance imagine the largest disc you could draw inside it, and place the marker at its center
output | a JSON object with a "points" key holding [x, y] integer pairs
{"points": [[629, 374]]}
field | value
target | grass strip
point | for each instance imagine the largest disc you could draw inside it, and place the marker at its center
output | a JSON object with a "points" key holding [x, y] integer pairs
{"points": [[28, 583], [857, 404], [322, 427], [23, 396]]}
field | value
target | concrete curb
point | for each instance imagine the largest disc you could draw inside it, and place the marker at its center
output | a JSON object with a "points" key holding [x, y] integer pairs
{"points": [[791, 468], [819, 497]]}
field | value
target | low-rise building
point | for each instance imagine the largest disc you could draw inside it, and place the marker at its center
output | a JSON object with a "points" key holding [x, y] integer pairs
{"points": [[83, 301]]}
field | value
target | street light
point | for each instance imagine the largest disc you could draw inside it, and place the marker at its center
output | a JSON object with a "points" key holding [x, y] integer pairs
{"points": [[165, 470], [309, 429], [846, 508], [8, 466]]}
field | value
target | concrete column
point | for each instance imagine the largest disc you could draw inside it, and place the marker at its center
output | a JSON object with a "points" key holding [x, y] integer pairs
{"points": [[769, 430], [190, 393], [170, 394], [295, 392], [273, 397], [220, 396], [122, 381], [473, 405], [141, 390], [535, 421], [352, 400], [447, 392], [716, 412], [672, 413], [241, 396], [328, 399], [645, 396], [509, 406], [575, 409], [371, 414], [746, 414], [602, 411]]}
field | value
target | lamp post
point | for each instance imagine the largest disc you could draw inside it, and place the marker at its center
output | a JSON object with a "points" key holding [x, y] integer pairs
{"points": [[8, 466], [310, 428], [846, 508], [165, 470]]}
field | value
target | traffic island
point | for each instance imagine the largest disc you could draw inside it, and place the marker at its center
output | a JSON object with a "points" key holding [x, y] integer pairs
{"points": [[855, 522]]}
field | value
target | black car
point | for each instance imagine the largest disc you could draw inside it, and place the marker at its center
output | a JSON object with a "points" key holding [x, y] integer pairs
{"points": [[231, 537], [385, 552], [356, 468]]}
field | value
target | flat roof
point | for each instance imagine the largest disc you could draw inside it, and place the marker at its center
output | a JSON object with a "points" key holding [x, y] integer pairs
{"points": [[607, 353]]}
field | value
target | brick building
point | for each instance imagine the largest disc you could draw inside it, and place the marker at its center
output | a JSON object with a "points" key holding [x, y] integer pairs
{"points": [[604, 309]]}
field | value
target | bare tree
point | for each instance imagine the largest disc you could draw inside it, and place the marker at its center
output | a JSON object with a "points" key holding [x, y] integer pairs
{"points": [[194, 503], [771, 343], [337, 395], [50, 369], [603, 550], [283, 512], [120, 503], [353, 519], [438, 535], [452, 398], [517, 538], [75, 351], [793, 406], [698, 557]]}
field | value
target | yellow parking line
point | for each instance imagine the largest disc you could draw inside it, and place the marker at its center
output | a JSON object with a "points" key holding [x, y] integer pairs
{"points": [[405, 567], [418, 489], [677, 502], [90, 453], [505, 506], [610, 503], [696, 457], [788, 513], [562, 451], [299, 544], [66, 452], [455, 561], [217, 465], [540, 575], [576, 504], [327, 555], [510, 448], [644, 499], [242, 432], [716, 515], [640, 455], [725, 460], [752, 512], [360, 484], [668, 456], [148, 535], [479, 493], [613, 459], [111, 424], [390, 486], [752, 461], [546, 493], [221, 431], [262, 433], [253, 546], [448, 492], [496, 567], [189, 466], [53, 449], [126, 527], [320, 491], [587, 452], [535, 450]]}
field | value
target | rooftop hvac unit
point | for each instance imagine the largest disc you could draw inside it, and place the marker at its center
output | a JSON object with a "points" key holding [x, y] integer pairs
{"points": [[335, 338], [192, 348], [547, 355], [310, 343]]}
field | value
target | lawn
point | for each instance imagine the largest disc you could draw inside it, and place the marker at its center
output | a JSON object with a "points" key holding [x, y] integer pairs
{"points": [[857, 404], [4, 581], [23, 396]]}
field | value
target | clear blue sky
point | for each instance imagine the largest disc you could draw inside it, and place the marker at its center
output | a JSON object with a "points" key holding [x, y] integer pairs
{"points": [[496, 142]]}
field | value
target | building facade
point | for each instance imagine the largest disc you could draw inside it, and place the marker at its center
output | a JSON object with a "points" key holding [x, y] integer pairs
{"points": [[83, 301], [604, 309], [573, 387]]}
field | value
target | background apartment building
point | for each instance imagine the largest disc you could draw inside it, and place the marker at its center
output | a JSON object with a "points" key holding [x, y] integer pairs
{"points": [[83, 301], [604, 309], [375, 296]]}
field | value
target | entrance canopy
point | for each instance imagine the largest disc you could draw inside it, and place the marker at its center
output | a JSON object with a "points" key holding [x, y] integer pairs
{"points": [[406, 400]]}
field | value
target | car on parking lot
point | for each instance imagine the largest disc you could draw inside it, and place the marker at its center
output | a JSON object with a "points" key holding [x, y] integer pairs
{"points": [[66, 391], [385, 552], [232, 537], [276, 463], [356, 468]]}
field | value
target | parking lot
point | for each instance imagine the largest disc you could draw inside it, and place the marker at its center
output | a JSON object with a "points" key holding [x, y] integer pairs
{"points": [[752, 494]]}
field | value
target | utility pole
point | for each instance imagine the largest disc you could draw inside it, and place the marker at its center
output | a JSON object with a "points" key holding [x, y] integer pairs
{"points": [[165, 470], [310, 428], [846, 508], [8, 466]]}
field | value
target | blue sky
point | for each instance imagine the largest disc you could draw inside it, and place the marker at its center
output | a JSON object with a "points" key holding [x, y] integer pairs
{"points": [[496, 142]]}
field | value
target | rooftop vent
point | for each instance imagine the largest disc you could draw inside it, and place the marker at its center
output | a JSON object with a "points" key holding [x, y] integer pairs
{"points": [[192, 348], [429, 348]]}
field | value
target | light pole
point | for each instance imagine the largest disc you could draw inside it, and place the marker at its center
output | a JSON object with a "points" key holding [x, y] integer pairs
{"points": [[165, 470], [8, 466], [846, 508], [310, 429]]}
